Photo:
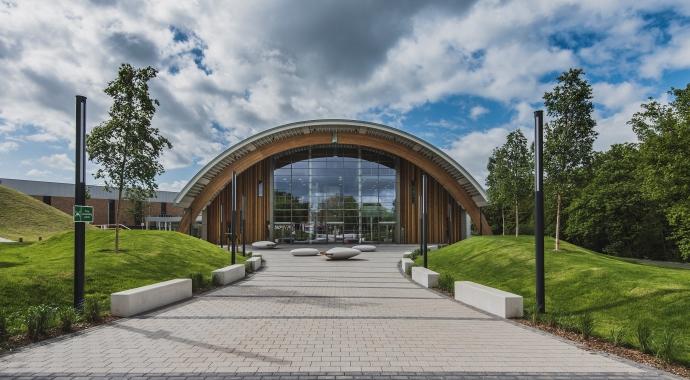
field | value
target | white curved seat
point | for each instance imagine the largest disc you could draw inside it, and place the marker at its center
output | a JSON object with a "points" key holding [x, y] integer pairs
{"points": [[263, 245], [342, 253], [365, 248], [304, 252]]}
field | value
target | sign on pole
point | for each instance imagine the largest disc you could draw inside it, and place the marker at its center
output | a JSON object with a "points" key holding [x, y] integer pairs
{"points": [[83, 214]]}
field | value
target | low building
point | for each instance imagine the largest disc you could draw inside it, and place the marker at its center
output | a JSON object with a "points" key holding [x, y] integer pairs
{"points": [[333, 181], [158, 212]]}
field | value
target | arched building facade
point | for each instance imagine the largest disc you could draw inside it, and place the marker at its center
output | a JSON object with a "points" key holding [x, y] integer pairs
{"points": [[332, 181]]}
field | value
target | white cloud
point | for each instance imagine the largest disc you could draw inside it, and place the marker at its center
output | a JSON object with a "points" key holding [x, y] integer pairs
{"points": [[477, 111], [37, 173], [332, 59], [8, 146], [472, 150], [58, 161], [172, 186]]}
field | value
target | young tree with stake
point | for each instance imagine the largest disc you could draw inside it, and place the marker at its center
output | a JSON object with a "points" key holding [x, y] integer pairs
{"points": [[126, 147], [569, 136]]}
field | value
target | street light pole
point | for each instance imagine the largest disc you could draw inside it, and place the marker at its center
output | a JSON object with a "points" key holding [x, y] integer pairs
{"points": [[80, 199], [233, 227], [424, 219], [539, 208]]}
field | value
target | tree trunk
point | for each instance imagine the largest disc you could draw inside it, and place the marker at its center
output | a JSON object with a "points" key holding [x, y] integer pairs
{"points": [[517, 220], [117, 220], [558, 222], [503, 220]]}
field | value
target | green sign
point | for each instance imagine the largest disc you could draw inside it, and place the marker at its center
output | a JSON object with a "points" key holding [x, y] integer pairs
{"points": [[83, 214]]}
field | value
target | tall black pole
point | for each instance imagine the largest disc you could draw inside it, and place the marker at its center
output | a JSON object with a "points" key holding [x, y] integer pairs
{"points": [[233, 206], [539, 208], [424, 218], [80, 199], [242, 221]]}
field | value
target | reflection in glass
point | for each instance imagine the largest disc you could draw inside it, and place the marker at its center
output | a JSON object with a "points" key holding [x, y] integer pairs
{"points": [[334, 194]]}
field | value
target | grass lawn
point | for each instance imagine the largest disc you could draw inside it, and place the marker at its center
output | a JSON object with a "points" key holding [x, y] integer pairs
{"points": [[28, 218], [41, 273], [615, 292]]}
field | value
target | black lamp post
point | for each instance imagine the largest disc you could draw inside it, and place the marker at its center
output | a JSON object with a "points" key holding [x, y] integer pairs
{"points": [[539, 208], [80, 200]]}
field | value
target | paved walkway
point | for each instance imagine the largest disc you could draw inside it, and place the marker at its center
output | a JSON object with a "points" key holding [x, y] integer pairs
{"points": [[305, 317]]}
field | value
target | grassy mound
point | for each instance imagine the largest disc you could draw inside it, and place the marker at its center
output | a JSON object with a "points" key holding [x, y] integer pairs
{"points": [[28, 218], [42, 273], [616, 293]]}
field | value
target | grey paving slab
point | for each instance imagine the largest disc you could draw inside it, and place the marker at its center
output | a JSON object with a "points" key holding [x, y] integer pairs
{"points": [[307, 317]]}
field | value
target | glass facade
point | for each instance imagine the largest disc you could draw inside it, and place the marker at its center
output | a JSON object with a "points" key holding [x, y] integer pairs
{"points": [[334, 194]]}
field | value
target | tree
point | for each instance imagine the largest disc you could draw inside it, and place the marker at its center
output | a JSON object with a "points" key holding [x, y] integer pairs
{"points": [[612, 214], [519, 179], [126, 146], [497, 182], [569, 136], [509, 178], [664, 134]]}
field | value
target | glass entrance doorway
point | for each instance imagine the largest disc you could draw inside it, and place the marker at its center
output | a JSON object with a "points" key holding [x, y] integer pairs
{"points": [[334, 194]]}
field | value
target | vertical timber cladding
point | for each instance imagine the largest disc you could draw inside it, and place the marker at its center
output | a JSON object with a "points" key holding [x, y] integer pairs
{"points": [[444, 212], [257, 207]]}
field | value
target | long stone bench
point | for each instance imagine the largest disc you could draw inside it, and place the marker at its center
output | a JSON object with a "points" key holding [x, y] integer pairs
{"points": [[425, 277], [407, 255], [405, 264], [138, 300], [491, 300], [255, 262], [229, 274]]}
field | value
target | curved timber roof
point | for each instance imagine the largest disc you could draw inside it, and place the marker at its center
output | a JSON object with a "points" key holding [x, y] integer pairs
{"points": [[275, 135]]}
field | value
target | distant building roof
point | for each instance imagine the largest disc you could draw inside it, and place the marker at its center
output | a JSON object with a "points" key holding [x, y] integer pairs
{"points": [[58, 189]]}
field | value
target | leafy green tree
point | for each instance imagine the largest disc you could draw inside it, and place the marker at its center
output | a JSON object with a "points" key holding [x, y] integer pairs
{"points": [[519, 179], [569, 136], [612, 214], [664, 134], [510, 172], [126, 146], [497, 182]]}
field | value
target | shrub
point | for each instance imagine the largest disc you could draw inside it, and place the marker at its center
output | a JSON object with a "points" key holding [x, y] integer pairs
{"points": [[585, 325], [667, 349], [446, 282], [67, 317], [552, 318], [643, 333], [91, 310], [415, 254], [248, 268], [532, 314], [408, 270], [198, 281], [617, 335], [38, 320], [4, 334]]}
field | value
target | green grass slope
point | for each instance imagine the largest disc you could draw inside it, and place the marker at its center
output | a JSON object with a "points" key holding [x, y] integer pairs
{"points": [[615, 292], [28, 218], [42, 273]]}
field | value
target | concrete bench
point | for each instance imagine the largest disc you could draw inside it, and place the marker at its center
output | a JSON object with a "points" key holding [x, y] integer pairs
{"points": [[491, 300], [228, 275], [405, 264], [425, 277], [138, 300], [407, 255], [255, 262]]}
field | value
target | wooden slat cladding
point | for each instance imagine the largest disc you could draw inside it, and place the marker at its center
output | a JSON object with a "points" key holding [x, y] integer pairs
{"points": [[445, 224], [257, 207], [444, 212]]}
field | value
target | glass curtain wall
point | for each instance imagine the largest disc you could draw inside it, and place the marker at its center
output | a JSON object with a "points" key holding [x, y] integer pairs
{"points": [[334, 194]]}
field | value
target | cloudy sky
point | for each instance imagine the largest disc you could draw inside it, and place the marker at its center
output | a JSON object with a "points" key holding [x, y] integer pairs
{"points": [[458, 74]]}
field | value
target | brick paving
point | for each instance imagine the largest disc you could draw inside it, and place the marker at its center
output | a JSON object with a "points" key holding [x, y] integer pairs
{"points": [[309, 318]]}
